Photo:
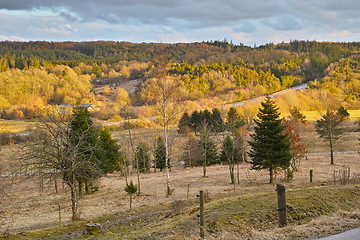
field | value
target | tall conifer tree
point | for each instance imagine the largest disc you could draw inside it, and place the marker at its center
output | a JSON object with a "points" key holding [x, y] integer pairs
{"points": [[110, 154], [143, 157], [208, 150], [84, 134], [160, 154], [270, 145]]}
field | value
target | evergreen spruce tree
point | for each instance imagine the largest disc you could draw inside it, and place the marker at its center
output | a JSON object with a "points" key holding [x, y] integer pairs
{"points": [[206, 117], [208, 150], [196, 120], [191, 152], [270, 145], [110, 155], [160, 154], [88, 160], [143, 156], [233, 121], [297, 115], [184, 125], [343, 113], [130, 189], [216, 121]]}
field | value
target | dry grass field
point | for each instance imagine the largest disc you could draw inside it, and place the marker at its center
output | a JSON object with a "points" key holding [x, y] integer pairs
{"points": [[26, 207], [11, 126]]}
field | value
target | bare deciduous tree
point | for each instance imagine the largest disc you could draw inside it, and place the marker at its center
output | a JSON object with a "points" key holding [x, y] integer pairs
{"points": [[328, 127], [166, 103], [58, 153]]}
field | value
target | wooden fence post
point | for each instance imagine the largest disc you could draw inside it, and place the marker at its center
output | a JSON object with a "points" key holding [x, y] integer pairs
{"points": [[281, 204], [187, 192], [59, 216], [202, 214]]}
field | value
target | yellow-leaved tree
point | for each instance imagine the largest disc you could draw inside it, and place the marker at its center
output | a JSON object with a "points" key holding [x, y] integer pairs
{"points": [[122, 98]]}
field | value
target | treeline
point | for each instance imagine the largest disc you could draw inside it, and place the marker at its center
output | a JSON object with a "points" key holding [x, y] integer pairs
{"points": [[200, 119], [71, 53]]}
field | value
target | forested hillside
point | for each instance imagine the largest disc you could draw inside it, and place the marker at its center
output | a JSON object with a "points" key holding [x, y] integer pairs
{"points": [[35, 75]]}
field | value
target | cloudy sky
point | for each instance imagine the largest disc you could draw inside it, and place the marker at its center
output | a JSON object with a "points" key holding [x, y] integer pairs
{"points": [[242, 21]]}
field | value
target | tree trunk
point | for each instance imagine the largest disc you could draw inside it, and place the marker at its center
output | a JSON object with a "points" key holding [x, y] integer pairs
{"points": [[271, 175], [238, 172], [155, 166], [87, 186], [126, 178], [136, 158], [144, 163], [189, 154], [138, 176], [204, 170], [130, 200], [80, 188], [204, 160], [74, 198], [232, 176], [56, 185], [74, 208], [331, 151], [168, 189]]}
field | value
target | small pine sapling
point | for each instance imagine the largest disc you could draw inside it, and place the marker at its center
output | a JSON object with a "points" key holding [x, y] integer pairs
{"points": [[130, 189]]}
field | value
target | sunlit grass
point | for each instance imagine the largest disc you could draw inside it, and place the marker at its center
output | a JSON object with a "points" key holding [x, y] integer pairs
{"points": [[316, 115], [13, 126], [354, 114]]}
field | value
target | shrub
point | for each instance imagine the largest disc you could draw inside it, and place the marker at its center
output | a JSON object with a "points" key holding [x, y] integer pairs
{"points": [[115, 118], [106, 91]]}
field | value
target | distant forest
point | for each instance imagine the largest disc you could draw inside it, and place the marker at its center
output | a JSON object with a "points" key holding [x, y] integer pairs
{"points": [[36, 74], [26, 54]]}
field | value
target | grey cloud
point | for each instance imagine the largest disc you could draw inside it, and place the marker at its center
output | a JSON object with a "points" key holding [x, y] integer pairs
{"points": [[16, 5], [244, 26], [283, 23], [69, 16], [167, 16], [336, 5], [198, 12]]}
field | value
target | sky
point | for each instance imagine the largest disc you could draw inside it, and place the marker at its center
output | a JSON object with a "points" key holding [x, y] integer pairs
{"points": [[171, 21]]}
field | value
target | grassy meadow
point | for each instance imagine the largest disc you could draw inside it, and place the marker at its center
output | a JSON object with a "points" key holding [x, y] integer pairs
{"points": [[244, 210]]}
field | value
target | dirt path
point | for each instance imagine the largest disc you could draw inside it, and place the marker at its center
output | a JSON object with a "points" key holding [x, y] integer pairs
{"points": [[285, 91]]}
